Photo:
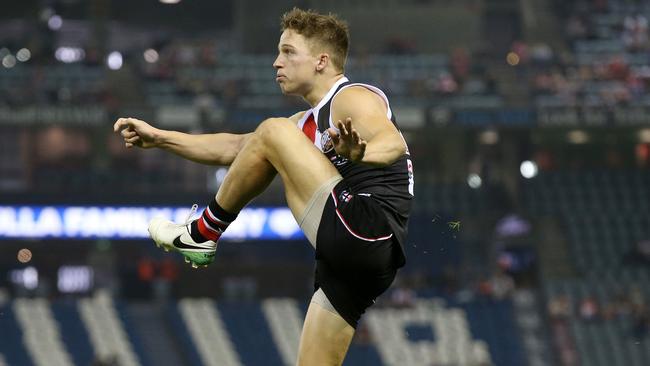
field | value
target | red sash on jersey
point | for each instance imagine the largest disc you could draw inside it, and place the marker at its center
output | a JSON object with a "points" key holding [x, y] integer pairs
{"points": [[309, 128]]}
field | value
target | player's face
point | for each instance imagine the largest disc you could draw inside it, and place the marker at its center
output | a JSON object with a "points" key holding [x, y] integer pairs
{"points": [[295, 65]]}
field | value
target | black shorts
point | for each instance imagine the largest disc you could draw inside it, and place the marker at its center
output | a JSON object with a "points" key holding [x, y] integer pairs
{"points": [[356, 255]]}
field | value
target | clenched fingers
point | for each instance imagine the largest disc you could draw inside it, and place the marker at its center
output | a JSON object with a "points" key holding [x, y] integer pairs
{"points": [[122, 123], [128, 133]]}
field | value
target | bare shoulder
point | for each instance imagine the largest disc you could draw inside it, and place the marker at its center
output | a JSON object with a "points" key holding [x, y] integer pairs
{"points": [[358, 99], [296, 117]]}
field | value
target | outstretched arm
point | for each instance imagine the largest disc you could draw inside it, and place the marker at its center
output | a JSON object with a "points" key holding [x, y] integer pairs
{"points": [[211, 149]]}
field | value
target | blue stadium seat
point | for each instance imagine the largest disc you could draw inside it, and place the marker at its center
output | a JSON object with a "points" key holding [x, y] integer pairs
{"points": [[182, 335], [493, 322], [11, 344], [73, 332], [250, 333]]}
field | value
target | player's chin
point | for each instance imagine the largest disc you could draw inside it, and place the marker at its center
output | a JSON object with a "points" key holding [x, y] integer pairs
{"points": [[286, 90]]}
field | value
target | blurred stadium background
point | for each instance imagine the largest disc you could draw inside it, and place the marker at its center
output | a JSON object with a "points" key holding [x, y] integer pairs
{"points": [[527, 120]]}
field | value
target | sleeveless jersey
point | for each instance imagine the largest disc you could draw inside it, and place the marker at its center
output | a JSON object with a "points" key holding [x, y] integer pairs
{"points": [[390, 186]]}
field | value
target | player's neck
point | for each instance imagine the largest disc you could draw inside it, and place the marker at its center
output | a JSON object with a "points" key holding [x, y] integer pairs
{"points": [[320, 88]]}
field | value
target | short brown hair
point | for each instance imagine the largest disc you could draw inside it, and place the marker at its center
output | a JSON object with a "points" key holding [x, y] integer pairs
{"points": [[327, 30]]}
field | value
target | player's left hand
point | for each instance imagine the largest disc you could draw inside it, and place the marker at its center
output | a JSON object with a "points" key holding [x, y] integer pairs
{"points": [[347, 141]]}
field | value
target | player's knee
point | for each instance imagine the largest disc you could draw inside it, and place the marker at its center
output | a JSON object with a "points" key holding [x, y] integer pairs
{"points": [[274, 128]]}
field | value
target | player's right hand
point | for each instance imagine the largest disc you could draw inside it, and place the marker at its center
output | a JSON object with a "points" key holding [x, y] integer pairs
{"points": [[136, 132], [347, 141]]}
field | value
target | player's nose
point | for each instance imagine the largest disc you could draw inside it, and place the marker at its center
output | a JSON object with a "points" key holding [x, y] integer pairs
{"points": [[276, 63]]}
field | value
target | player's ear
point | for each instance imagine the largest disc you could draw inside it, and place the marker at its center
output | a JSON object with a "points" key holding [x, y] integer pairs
{"points": [[323, 61]]}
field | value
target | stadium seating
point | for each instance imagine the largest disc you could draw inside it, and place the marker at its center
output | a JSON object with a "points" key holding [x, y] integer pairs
{"points": [[283, 317], [249, 328], [106, 330], [208, 332], [41, 334], [254, 333], [252, 75], [601, 211], [604, 215], [608, 338], [12, 346], [75, 335], [607, 64], [182, 335]]}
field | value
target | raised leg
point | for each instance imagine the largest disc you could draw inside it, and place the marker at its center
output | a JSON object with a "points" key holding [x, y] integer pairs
{"points": [[276, 146], [279, 146]]}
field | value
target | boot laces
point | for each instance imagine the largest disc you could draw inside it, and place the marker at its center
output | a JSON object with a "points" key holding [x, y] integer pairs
{"points": [[192, 212]]}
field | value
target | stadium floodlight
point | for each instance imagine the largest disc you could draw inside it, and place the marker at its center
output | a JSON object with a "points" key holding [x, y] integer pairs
{"points": [[55, 22], [9, 61], [474, 181], [23, 54], [114, 60], [528, 169], [69, 54], [151, 56]]}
